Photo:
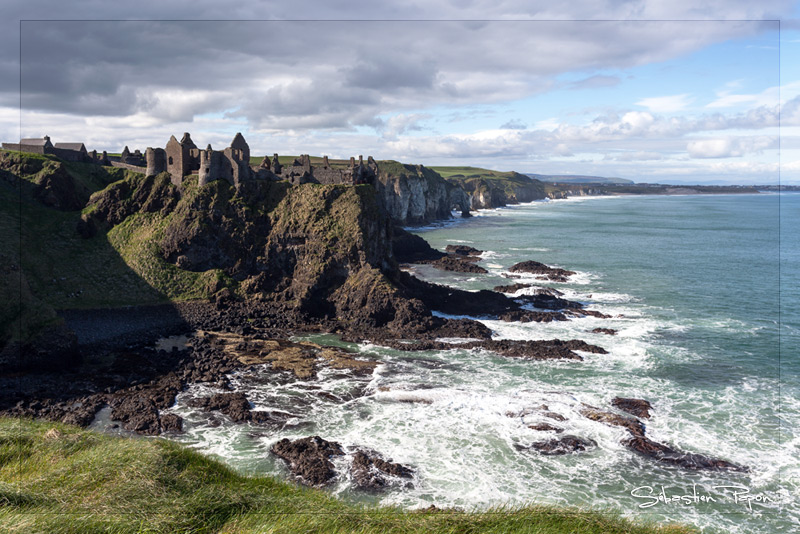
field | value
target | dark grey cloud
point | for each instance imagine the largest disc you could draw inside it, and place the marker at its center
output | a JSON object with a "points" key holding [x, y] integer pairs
{"points": [[390, 72], [319, 73]]}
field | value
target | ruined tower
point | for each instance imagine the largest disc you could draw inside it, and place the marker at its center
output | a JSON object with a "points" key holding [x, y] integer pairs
{"points": [[182, 157], [156, 160]]}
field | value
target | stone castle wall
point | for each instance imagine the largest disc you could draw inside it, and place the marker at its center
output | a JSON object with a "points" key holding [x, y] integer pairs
{"points": [[135, 168], [24, 148]]}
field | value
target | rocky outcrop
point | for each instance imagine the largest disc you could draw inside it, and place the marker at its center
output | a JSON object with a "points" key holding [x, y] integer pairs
{"points": [[546, 427], [552, 349], [309, 458], [458, 259], [559, 446], [528, 316], [511, 288], [120, 200], [543, 271], [414, 194], [643, 445], [606, 331], [302, 359], [234, 405], [457, 264], [463, 250], [638, 407], [45, 180], [671, 456], [370, 471], [411, 248], [56, 188]]}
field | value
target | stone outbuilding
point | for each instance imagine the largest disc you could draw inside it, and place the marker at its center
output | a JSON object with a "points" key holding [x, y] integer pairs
{"points": [[43, 145]]}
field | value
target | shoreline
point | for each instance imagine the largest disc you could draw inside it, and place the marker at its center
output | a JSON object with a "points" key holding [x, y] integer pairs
{"points": [[150, 314]]}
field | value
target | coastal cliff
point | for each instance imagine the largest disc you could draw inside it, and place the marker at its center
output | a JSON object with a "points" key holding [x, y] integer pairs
{"points": [[309, 252], [414, 194], [493, 189]]}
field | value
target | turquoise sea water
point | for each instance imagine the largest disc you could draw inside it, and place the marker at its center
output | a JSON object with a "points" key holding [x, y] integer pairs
{"points": [[704, 294]]}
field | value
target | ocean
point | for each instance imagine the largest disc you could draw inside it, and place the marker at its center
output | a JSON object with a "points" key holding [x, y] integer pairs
{"points": [[703, 292]]}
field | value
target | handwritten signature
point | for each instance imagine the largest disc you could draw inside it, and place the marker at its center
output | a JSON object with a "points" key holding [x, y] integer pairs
{"points": [[735, 493]]}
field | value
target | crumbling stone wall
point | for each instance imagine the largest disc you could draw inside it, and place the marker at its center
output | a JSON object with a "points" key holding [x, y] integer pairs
{"points": [[132, 158], [182, 158]]}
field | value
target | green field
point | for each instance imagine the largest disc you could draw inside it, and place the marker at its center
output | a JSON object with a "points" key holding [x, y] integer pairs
{"points": [[58, 479]]}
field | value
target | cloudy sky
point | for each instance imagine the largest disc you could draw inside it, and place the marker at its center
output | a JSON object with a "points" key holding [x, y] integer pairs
{"points": [[651, 91]]}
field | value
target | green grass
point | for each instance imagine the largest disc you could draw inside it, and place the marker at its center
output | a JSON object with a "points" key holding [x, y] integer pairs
{"points": [[137, 240], [58, 479]]}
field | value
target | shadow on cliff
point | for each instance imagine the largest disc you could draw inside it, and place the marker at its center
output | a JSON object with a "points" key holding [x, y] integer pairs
{"points": [[47, 266]]}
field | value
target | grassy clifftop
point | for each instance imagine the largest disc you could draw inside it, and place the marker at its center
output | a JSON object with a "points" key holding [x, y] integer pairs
{"points": [[58, 479]]}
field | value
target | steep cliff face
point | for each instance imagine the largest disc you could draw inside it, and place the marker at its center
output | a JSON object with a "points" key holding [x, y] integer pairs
{"points": [[320, 250], [414, 194], [575, 191], [492, 189]]}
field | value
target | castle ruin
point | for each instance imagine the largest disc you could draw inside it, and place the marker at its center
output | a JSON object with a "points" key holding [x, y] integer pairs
{"points": [[182, 159]]}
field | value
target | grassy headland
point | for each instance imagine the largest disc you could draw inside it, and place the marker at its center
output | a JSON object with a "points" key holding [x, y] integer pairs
{"points": [[494, 188], [60, 479]]}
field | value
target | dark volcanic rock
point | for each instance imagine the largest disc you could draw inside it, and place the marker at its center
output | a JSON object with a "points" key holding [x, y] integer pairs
{"points": [[463, 250], [607, 331], [638, 407], [634, 426], [309, 458], [668, 455], [411, 248], [527, 316], [553, 415], [534, 267], [171, 423], [456, 301], [545, 427], [638, 442], [138, 414], [580, 312], [548, 302], [234, 405], [553, 349], [458, 265], [549, 291], [564, 445], [511, 288], [370, 470]]}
